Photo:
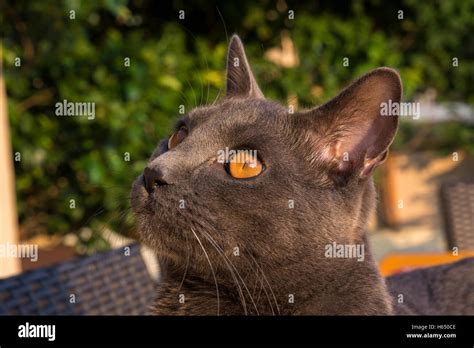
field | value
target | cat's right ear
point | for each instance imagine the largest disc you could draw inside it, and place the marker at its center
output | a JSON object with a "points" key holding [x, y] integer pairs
{"points": [[240, 80], [351, 133]]}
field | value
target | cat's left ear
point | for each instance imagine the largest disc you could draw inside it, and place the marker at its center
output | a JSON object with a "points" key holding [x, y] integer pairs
{"points": [[351, 133], [240, 80]]}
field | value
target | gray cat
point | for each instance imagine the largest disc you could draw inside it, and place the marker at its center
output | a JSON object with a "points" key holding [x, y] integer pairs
{"points": [[257, 210]]}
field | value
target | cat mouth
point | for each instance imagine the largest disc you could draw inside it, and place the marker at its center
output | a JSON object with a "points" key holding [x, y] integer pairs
{"points": [[139, 195], [146, 202], [139, 186]]}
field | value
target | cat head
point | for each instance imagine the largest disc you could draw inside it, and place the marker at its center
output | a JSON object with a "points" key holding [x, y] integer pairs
{"points": [[249, 180]]}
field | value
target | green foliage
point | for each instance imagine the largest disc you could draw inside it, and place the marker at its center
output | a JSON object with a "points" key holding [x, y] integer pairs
{"points": [[175, 62]]}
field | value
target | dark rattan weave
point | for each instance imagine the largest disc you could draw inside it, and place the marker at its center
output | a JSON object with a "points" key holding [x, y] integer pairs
{"points": [[109, 283], [457, 201]]}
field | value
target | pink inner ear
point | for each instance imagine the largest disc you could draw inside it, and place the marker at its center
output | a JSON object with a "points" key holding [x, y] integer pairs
{"points": [[371, 163], [349, 133], [350, 147], [361, 142]]}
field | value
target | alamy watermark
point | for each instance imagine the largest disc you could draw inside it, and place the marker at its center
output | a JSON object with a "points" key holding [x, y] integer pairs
{"points": [[67, 108], [224, 155], [392, 108], [345, 251], [24, 251], [28, 330]]}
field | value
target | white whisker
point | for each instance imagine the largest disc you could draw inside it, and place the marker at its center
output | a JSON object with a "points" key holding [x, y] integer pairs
{"points": [[212, 269], [238, 274], [268, 283], [239, 288], [187, 262]]}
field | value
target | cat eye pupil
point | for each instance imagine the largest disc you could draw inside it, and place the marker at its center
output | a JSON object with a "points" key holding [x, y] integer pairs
{"points": [[244, 164]]}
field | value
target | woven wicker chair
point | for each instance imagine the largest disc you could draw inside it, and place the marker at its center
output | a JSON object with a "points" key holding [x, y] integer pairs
{"points": [[109, 283], [457, 202]]}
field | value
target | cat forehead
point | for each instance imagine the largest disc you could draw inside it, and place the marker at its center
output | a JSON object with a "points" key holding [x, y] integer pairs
{"points": [[237, 112]]}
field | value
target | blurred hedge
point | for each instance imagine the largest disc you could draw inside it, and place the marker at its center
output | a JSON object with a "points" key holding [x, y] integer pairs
{"points": [[174, 62]]}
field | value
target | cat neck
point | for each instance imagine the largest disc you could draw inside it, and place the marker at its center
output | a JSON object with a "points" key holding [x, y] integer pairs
{"points": [[351, 288]]}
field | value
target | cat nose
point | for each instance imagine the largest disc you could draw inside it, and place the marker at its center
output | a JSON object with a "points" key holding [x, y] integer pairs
{"points": [[153, 178]]}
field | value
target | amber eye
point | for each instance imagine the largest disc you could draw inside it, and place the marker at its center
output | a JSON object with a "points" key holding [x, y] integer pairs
{"points": [[244, 164], [177, 137]]}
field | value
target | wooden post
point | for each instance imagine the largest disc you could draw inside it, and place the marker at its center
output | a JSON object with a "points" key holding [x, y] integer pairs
{"points": [[8, 215], [389, 196]]}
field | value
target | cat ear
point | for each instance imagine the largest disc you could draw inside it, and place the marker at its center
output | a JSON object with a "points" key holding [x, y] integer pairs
{"points": [[351, 132], [240, 80]]}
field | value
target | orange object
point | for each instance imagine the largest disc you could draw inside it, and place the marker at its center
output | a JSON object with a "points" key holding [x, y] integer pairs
{"points": [[398, 263]]}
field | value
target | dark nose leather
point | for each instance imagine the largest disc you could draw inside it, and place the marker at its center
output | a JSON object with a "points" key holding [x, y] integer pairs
{"points": [[153, 178]]}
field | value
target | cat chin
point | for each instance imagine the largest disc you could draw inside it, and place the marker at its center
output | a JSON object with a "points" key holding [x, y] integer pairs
{"points": [[159, 237], [167, 256]]}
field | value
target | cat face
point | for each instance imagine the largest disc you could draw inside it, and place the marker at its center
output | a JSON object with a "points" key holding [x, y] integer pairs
{"points": [[249, 179], [198, 190]]}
